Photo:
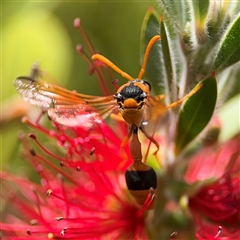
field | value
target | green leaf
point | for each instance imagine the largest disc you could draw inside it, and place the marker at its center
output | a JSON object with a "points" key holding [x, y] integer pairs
{"points": [[167, 62], [153, 72], [229, 49], [177, 11], [200, 11], [200, 19], [196, 113], [171, 61]]}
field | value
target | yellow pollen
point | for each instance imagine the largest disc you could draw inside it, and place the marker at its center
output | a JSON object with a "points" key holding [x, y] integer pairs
{"points": [[50, 236], [49, 192]]}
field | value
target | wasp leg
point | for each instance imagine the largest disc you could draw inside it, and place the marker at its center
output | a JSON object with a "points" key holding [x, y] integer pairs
{"points": [[123, 144], [117, 117], [160, 97], [126, 138], [151, 139], [185, 97]]}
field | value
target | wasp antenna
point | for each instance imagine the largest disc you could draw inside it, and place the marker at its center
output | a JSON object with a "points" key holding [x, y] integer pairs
{"points": [[111, 65], [149, 46]]}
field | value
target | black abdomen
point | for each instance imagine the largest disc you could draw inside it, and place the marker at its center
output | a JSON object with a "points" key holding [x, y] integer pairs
{"points": [[141, 180]]}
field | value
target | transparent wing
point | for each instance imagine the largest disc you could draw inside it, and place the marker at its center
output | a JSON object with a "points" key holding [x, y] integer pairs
{"points": [[77, 115], [66, 107], [154, 111]]}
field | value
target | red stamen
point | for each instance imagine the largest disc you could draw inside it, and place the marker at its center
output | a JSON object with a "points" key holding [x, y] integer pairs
{"points": [[59, 218], [65, 196], [62, 161], [57, 169], [149, 200], [32, 152], [84, 35], [219, 232], [92, 151], [80, 49], [173, 235], [78, 168], [31, 124], [38, 204], [94, 67], [115, 83]]}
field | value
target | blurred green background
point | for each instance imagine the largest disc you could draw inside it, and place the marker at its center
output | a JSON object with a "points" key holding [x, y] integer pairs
{"points": [[43, 32]]}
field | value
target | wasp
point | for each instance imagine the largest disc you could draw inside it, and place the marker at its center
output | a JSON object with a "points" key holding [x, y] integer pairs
{"points": [[133, 100]]}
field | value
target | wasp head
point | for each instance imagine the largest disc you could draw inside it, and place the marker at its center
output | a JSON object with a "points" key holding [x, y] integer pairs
{"points": [[132, 95]]}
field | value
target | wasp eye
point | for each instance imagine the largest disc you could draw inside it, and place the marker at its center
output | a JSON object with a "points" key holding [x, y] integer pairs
{"points": [[119, 97], [141, 97], [147, 83]]}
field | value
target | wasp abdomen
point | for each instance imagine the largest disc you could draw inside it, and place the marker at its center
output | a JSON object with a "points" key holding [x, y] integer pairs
{"points": [[140, 178]]}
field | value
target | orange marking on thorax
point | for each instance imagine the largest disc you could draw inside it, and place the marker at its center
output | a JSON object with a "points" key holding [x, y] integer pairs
{"points": [[123, 86], [144, 87]]}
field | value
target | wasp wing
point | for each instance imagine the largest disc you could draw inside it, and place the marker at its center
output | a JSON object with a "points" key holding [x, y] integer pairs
{"points": [[78, 115], [155, 111], [66, 107]]}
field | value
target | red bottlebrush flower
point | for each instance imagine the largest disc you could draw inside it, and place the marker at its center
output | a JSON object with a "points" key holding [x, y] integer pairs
{"points": [[78, 199], [217, 203], [85, 195], [89, 205], [212, 161]]}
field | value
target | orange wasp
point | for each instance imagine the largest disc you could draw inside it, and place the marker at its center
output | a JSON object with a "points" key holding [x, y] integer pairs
{"points": [[133, 101], [69, 108]]}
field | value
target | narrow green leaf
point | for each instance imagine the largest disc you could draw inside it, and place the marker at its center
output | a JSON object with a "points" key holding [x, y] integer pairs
{"points": [[178, 11], [153, 72], [201, 10], [167, 61], [200, 19], [219, 15], [196, 113], [229, 49]]}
